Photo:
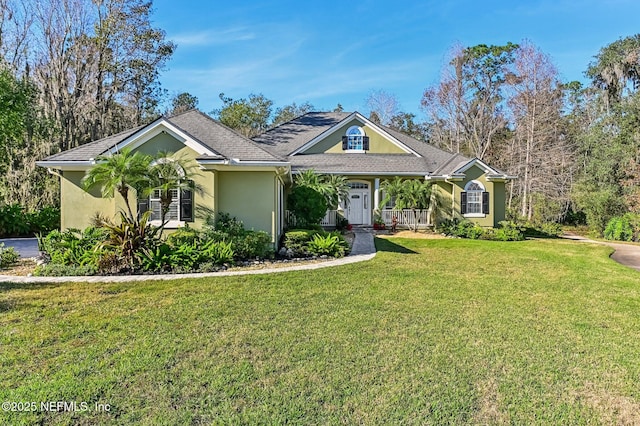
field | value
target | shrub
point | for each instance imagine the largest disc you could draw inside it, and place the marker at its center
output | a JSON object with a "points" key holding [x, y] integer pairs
{"points": [[623, 228], [307, 205], [508, 231], [229, 225], [8, 256], [74, 247], [296, 240], [327, 245], [44, 220], [58, 270], [13, 221], [252, 245]]}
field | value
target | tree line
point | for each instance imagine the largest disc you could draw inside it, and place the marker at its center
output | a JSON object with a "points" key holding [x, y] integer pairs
{"points": [[73, 71]]}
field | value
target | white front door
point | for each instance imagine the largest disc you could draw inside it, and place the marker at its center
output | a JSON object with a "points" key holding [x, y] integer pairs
{"points": [[358, 209]]}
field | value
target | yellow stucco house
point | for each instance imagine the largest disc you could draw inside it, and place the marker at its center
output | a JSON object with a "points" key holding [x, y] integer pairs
{"points": [[249, 178]]}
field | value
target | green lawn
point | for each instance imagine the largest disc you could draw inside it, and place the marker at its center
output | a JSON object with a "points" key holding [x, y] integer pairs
{"points": [[544, 332]]}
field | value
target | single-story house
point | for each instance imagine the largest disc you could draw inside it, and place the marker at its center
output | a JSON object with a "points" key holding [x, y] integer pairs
{"points": [[249, 178]]}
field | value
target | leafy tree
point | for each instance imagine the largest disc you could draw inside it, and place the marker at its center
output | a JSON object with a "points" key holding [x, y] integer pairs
{"points": [[120, 172], [307, 204], [183, 102], [168, 172], [413, 194], [249, 117], [404, 122], [289, 112], [616, 66], [334, 188], [465, 110]]}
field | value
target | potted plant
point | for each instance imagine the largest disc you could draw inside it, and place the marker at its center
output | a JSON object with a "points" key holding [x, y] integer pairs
{"points": [[378, 223]]}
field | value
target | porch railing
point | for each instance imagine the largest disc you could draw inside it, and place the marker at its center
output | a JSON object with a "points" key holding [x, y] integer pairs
{"points": [[328, 220], [406, 218]]}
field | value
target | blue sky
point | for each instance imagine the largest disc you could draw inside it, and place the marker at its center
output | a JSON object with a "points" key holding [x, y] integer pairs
{"points": [[329, 52]]}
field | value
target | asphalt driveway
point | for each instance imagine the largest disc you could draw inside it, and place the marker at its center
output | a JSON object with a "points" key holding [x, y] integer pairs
{"points": [[26, 247]]}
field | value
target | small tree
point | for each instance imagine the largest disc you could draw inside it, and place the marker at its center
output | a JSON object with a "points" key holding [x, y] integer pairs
{"points": [[414, 194], [308, 205], [334, 188], [119, 173], [167, 173]]}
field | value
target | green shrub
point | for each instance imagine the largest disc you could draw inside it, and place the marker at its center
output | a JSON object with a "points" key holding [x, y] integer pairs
{"points": [[296, 240], [8, 256], [13, 221], [74, 247], [44, 220], [327, 245], [229, 225], [623, 228], [252, 245], [58, 270], [508, 231], [183, 235], [307, 205]]}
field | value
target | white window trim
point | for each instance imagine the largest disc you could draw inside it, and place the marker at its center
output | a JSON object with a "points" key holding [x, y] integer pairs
{"points": [[361, 134], [173, 223], [481, 190]]}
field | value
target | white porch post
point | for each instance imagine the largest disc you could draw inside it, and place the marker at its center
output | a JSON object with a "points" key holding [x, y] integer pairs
{"points": [[376, 194]]}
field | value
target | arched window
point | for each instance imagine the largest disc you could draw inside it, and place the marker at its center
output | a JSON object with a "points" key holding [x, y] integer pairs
{"points": [[355, 140], [474, 200]]}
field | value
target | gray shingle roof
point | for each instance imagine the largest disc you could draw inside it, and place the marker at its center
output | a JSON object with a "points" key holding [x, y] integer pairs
{"points": [[290, 136], [362, 163], [92, 150], [224, 142]]}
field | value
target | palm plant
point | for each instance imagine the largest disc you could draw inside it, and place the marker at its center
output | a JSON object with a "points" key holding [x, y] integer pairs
{"points": [[414, 194], [119, 172], [334, 188], [166, 174]]}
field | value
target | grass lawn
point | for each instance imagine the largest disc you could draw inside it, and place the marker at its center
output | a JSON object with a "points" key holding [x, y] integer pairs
{"points": [[544, 332]]}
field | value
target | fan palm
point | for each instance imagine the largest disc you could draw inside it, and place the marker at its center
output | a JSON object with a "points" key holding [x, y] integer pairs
{"points": [[166, 174], [119, 173]]}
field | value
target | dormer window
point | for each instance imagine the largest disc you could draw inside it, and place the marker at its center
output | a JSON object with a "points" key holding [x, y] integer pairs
{"points": [[355, 140]]}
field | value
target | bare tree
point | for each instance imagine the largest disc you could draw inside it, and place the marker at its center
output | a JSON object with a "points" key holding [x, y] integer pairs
{"points": [[539, 152], [383, 106]]}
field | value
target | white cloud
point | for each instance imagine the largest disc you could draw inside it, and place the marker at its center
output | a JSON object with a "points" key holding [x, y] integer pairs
{"points": [[212, 37]]}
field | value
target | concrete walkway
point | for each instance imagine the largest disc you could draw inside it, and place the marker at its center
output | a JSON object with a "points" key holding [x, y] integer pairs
{"points": [[363, 249], [625, 254]]}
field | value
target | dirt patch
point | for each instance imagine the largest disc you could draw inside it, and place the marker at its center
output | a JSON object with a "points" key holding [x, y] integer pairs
{"points": [[22, 268], [489, 404], [613, 408], [409, 234]]}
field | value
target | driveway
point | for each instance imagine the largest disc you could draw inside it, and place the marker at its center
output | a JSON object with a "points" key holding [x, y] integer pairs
{"points": [[26, 247], [625, 254]]}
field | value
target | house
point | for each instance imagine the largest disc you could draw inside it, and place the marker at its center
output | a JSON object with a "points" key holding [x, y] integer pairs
{"points": [[249, 178]]}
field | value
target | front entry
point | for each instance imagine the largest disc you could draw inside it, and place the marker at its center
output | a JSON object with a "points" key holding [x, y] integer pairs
{"points": [[359, 208]]}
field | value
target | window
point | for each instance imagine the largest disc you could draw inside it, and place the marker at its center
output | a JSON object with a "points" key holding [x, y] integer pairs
{"points": [[355, 140], [474, 202], [180, 209], [358, 185]]}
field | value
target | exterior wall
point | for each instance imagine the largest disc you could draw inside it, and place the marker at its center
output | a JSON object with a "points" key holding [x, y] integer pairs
{"points": [[204, 198], [251, 197], [497, 198], [78, 207], [332, 144]]}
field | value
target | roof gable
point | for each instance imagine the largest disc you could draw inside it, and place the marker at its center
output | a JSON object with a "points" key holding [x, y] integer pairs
{"points": [[208, 138], [353, 119]]}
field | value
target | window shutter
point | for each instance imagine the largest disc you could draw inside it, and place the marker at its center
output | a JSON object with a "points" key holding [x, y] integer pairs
{"points": [[345, 143], [365, 143], [463, 202], [143, 206], [186, 205], [485, 203]]}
